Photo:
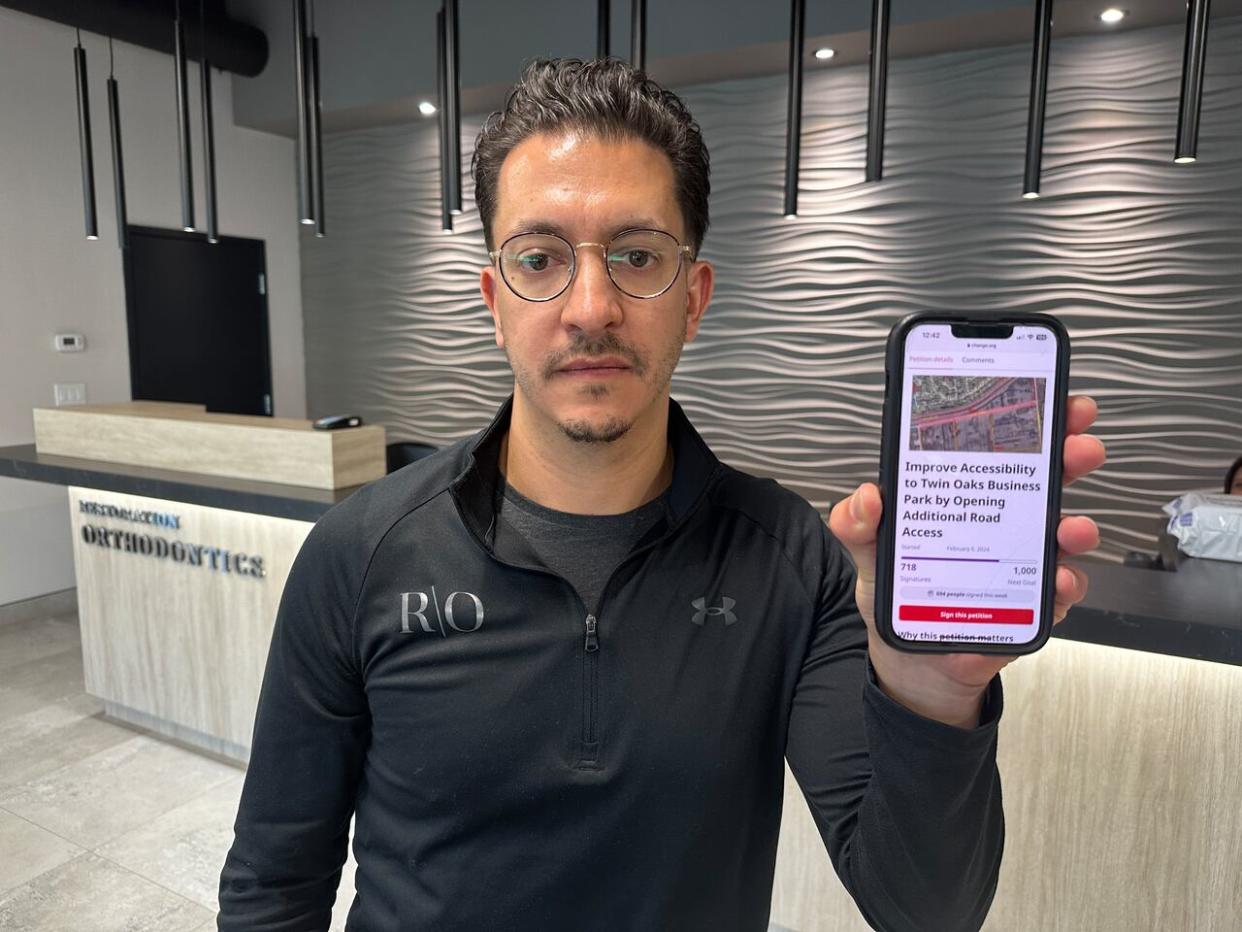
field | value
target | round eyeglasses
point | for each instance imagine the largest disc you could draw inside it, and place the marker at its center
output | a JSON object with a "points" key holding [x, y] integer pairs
{"points": [[540, 266]]}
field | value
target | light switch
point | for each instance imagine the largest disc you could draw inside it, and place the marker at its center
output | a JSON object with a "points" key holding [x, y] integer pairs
{"points": [[70, 393]]}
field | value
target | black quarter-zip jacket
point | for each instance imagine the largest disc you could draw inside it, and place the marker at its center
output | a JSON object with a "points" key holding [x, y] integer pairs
{"points": [[519, 761]]}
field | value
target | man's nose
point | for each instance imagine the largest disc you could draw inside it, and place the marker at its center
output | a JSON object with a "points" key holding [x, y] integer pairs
{"points": [[593, 303]]}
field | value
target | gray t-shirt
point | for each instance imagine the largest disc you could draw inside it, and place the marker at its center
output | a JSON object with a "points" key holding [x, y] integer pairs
{"points": [[584, 549]]}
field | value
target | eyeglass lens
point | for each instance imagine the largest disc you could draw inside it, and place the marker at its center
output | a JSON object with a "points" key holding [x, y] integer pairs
{"points": [[539, 266]]}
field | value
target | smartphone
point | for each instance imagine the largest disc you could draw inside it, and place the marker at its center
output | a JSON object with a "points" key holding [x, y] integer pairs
{"points": [[970, 476]]}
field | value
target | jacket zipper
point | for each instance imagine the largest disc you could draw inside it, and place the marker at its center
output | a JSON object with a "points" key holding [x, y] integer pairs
{"points": [[590, 749], [590, 663]]}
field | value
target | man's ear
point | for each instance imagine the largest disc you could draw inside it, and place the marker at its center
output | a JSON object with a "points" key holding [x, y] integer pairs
{"points": [[700, 278], [487, 285]]}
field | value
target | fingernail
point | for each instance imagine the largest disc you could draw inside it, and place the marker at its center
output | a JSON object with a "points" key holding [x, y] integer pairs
{"points": [[855, 507]]}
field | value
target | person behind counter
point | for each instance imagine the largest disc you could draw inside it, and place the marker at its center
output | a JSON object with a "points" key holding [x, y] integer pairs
{"points": [[1233, 478], [555, 670]]}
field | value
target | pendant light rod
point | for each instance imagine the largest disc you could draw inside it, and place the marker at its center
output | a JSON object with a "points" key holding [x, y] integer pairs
{"points": [[603, 28], [1039, 99], [305, 210], [84, 141], [183, 122], [452, 89], [316, 134], [209, 134], [235, 46], [793, 119], [118, 165], [878, 96], [638, 34], [446, 215], [1193, 61]]}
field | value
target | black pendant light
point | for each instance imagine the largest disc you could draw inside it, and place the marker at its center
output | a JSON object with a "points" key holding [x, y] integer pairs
{"points": [[638, 34], [306, 212], [793, 120], [314, 124], [452, 101], [1039, 99], [879, 89], [603, 28], [209, 131], [84, 140], [446, 215], [118, 165], [1192, 81], [183, 122]]}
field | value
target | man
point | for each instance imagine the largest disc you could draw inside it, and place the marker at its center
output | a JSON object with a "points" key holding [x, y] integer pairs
{"points": [[555, 669]]}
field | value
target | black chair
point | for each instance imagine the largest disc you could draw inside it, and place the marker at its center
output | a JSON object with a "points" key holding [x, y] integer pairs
{"points": [[404, 452], [1143, 561]]}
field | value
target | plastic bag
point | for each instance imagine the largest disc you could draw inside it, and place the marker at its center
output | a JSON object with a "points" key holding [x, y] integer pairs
{"points": [[1207, 525]]}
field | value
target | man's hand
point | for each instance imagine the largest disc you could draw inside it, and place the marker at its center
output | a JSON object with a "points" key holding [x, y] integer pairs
{"points": [[950, 687]]}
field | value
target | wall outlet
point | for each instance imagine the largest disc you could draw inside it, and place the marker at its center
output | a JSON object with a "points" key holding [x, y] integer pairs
{"points": [[70, 393]]}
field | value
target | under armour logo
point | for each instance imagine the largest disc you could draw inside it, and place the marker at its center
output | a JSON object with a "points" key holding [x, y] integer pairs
{"points": [[724, 609]]}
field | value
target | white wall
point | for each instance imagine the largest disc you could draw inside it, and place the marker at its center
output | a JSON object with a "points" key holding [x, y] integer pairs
{"points": [[52, 279]]}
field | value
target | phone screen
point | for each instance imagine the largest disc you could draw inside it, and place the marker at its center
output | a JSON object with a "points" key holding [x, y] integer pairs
{"points": [[972, 485]]}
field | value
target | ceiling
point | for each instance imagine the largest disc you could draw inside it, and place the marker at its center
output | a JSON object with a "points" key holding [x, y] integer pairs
{"points": [[378, 56]]}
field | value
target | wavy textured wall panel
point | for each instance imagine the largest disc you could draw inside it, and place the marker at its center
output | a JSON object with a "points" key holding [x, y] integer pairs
{"points": [[1142, 259]]}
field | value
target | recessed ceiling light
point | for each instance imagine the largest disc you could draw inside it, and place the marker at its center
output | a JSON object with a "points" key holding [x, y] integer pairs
{"points": [[1112, 15], [825, 54], [426, 108]]}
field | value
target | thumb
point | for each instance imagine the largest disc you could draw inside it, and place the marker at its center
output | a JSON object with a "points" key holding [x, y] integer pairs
{"points": [[854, 521]]}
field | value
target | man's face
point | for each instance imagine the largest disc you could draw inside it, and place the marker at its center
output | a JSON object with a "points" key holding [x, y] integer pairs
{"points": [[593, 361], [1237, 484]]}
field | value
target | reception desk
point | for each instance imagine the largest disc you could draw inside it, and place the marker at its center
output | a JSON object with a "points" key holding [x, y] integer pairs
{"points": [[179, 570], [1120, 754]]}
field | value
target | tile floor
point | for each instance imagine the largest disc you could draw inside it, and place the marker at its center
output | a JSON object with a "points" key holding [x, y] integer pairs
{"points": [[103, 828], [98, 820]]}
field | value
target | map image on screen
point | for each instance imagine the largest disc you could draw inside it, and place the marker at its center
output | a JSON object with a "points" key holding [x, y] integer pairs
{"points": [[977, 414]]}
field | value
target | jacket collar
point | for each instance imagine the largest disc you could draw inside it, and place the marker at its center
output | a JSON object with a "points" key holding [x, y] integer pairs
{"points": [[478, 488]]}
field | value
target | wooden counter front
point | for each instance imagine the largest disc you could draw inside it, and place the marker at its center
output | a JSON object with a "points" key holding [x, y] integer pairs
{"points": [[187, 437], [177, 604]]}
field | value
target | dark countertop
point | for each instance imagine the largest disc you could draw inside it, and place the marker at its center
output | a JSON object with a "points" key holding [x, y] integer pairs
{"points": [[263, 498], [1195, 611]]}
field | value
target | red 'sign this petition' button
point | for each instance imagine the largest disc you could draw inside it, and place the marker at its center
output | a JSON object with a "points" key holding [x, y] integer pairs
{"points": [[969, 614]]}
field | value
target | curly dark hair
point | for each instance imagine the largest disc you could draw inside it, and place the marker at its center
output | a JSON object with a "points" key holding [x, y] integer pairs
{"points": [[608, 98]]}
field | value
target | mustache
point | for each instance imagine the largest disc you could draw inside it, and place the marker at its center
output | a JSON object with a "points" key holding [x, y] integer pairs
{"points": [[607, 345]]}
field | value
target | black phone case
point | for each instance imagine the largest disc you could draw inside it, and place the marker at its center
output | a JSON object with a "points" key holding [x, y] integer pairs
{"points": [[890, 443]]}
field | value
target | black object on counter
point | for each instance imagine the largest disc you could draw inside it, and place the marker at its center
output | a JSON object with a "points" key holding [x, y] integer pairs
{"points": [[337, 421]]}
